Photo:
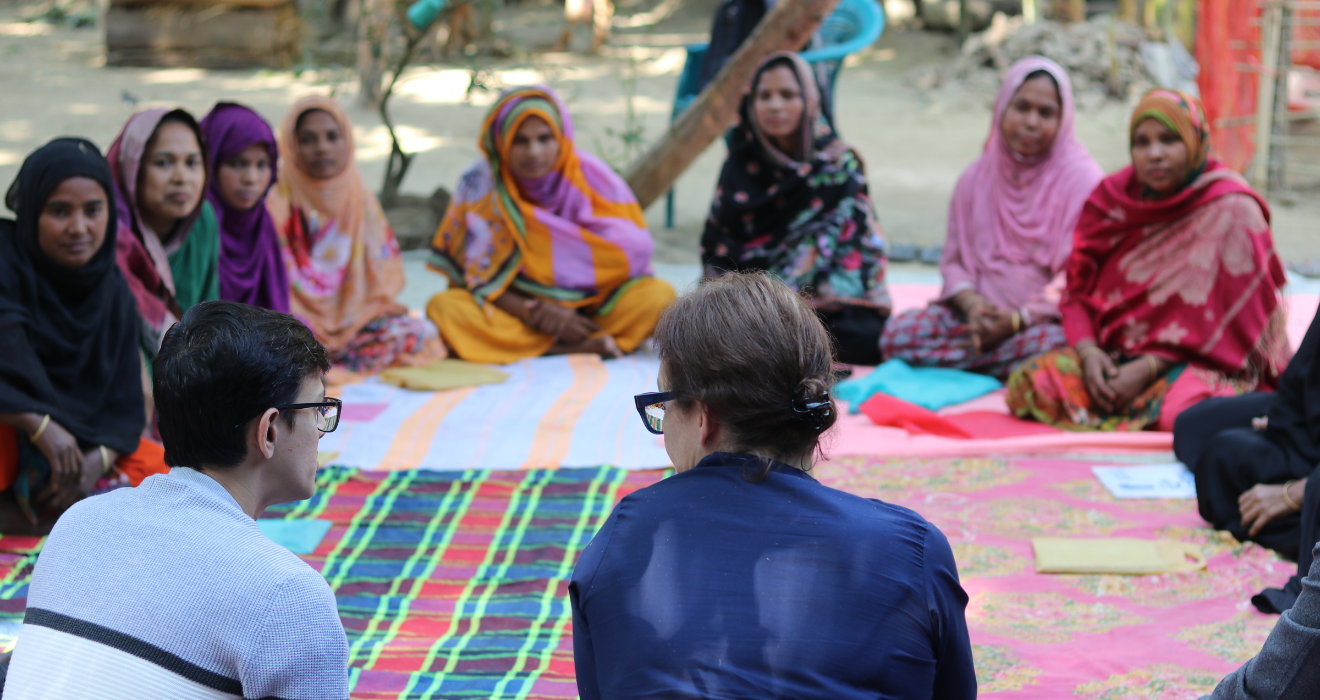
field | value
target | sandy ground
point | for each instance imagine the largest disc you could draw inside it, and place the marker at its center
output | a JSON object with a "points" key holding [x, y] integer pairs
{"points": [[53, 82]]}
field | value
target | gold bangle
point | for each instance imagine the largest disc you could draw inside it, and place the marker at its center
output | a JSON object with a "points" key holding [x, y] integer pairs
{"points": [[1287, 500], [1017, 322], [106, 466], [41, 429], [1154, 367]]}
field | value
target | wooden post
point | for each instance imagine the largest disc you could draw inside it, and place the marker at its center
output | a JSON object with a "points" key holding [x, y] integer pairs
{"points": [[1076, 10], [1281, 127], [1271, 30], [787, 26], [1127, 11]]}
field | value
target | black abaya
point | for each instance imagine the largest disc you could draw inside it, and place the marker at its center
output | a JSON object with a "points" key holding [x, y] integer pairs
{"points": [[68, 337], [1228, 457]]}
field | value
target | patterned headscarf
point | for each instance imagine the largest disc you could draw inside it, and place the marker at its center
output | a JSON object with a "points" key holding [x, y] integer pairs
{"points": [[578, 233], [1181, 113], [342, 258]]}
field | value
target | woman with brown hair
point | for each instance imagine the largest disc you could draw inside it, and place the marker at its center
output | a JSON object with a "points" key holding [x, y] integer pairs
{"points": [[741, 575]]}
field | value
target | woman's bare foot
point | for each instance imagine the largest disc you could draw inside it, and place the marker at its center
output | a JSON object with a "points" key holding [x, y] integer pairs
{"points": [[602, 345]]}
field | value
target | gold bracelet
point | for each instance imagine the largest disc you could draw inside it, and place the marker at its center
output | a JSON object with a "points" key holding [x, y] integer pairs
{"points": [[1090, 351], [1154, 367], [1287, 500], [1017, 322], [106, 465], [40, 429]]}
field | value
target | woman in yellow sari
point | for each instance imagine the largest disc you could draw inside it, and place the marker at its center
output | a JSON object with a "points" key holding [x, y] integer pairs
{"points": [[545, 247]]}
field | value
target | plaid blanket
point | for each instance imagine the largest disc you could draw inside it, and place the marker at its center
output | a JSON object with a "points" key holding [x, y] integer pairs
{"points": [[454, 584]]}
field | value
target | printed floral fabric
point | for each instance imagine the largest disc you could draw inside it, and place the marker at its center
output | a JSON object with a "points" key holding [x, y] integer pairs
{"points": [[1192, 278], [391, 341], [1051, 388], [810, 222], [1154, 637]]}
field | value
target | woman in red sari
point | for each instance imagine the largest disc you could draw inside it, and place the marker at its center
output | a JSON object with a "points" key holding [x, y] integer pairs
{"points": [[1173, 291]]}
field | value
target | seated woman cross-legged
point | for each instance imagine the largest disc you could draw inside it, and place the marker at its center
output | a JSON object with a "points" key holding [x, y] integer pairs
{"points": [[741, 576], [1011, 227], [343, 262], [1254, 457], [1173, 288], [545, 247], [793, 201], [71, 404]]}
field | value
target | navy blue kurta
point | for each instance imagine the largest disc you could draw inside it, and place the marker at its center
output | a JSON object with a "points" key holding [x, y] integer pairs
{"points": [[707, 585]]}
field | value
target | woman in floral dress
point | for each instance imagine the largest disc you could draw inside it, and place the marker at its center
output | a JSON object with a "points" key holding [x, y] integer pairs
{"points": [[792, 200]]}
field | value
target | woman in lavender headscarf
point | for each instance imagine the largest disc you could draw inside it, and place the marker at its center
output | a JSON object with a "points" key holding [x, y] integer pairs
{"points": [[1010, 231], [243, 162]]}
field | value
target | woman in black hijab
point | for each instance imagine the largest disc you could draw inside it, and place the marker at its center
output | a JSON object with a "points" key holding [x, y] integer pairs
{"points": [[1254, 457], [71, 402]]}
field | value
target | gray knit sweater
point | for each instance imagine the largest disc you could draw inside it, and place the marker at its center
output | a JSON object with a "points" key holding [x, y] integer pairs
{"points": [[1288, 666], [169, 590]]}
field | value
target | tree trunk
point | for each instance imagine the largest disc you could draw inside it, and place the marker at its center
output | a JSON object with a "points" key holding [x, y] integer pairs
{"points": [[373, 49], [788, 25]]}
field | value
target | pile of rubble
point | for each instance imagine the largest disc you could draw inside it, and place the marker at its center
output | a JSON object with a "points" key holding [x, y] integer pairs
{"points": [[1102, 55]]}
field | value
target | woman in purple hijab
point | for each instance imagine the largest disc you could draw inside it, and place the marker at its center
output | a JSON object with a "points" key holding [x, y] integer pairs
{"points": [[244, 160]]}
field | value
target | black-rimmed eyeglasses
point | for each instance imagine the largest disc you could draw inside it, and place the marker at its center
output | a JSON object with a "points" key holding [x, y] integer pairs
{"points": [[651, 407], [327, 413]]}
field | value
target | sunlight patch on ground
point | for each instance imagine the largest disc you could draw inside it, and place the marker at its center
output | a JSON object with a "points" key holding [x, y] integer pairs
{"points": [[16, 130], [83, 108], [24, 28], [264, 80], [374, 143], [520, 76], [641, 104], [436, 87], [173, 76]]}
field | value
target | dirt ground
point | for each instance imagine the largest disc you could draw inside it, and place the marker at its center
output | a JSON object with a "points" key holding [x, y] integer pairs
{"points": [[53, 82]]}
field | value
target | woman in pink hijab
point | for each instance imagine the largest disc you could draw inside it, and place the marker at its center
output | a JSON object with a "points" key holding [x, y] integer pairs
{"points": [[1010, 231]]}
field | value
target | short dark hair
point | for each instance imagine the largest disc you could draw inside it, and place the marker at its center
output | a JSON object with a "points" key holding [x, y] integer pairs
{"points": [[220, 368], [749, 347]]}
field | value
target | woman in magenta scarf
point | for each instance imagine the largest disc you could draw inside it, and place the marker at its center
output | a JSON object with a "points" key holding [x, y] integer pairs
{"points": [[244, 160], [1010, 232]]}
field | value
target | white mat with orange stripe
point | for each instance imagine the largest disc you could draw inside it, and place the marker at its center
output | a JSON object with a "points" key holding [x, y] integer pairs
{"points": [[570, 411]]}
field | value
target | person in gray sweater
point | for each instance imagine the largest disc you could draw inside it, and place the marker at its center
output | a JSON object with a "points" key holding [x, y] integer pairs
{"points": [[169, 590], [1288, 666]]}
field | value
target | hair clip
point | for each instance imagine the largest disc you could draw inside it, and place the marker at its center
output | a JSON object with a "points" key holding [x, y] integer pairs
{"points": [[814, 412]]}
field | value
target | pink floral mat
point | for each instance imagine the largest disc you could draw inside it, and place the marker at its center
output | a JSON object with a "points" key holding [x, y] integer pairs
{"points": [[1094, 637]]}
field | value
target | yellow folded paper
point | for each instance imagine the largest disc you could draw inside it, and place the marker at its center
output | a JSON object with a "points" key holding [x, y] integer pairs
{"points": [[1114, 555], [442, 375]]}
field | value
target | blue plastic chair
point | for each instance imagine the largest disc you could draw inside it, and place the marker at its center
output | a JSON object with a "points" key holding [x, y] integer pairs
{"points": [[853, 26]]}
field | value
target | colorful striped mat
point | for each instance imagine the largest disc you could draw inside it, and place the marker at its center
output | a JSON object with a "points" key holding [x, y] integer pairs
{"points": [[453, 584], [572, 410]]}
